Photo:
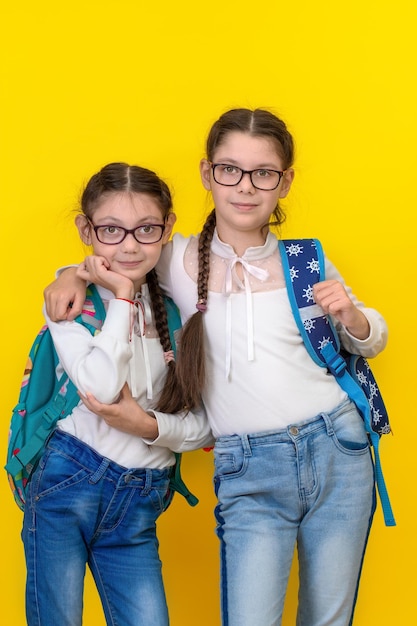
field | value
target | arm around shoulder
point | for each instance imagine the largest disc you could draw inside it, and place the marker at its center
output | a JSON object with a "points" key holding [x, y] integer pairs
{"points": [[64, 297]]}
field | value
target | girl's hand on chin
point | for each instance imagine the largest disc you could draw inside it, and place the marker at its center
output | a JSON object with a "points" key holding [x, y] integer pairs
{"points": [[96, 269]]}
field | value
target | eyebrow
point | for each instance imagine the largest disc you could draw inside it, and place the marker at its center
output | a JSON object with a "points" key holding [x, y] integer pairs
{"points": [[148, 219], [266, 166]]}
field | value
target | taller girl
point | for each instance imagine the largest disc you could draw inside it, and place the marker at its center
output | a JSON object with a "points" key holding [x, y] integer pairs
{"points": [[292, 461]]}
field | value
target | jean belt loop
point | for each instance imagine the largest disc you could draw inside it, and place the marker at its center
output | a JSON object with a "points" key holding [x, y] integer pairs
{"points": [[98, 474], [247, 450], [148, 482], [329, 425]]}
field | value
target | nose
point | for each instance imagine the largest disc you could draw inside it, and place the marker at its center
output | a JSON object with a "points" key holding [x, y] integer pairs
{"points": [[245, 184], [129, 243]]}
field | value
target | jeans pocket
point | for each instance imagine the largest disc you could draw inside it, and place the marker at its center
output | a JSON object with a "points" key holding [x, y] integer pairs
{"points": [[159, 497], [55, 472], [349, 433], [229, 463]]}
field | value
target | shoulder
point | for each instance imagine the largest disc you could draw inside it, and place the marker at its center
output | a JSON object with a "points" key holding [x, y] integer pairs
{"points": [[176, 248], [170, 267]]}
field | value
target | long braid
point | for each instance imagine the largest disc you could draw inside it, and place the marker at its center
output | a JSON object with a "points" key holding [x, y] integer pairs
{"points": [[191, 362], [204, 244], [170, 400]]}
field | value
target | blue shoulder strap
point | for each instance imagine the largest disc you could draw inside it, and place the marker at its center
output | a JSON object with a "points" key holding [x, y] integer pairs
{"points": [[303, 265]]}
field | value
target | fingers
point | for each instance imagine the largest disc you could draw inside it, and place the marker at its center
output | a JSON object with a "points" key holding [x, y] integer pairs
{"points": [[331, 296], [96, 266], [92, 403], [97, 269], [64, 298]]}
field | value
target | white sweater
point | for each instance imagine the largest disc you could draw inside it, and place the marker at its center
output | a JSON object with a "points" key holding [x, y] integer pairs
{"points": [[102, 364], [260, 376]]}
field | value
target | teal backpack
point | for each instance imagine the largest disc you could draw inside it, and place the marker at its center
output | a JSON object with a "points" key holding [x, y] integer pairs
{"points": [[44, 399], [303, 265]]}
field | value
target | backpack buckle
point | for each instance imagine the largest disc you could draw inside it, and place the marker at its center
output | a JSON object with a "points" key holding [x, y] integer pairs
{"points": [[335, 363]]}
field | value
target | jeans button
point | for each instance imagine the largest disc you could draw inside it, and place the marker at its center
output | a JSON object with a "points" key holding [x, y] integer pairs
{"points": [[294, 430]]}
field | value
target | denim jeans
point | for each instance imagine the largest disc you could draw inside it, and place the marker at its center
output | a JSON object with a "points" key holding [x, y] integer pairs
{"points": [[310, 485], [83, 508]]}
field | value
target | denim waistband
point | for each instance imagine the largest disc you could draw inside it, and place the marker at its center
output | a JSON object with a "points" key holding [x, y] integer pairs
{"points": [[87, 457], [287, 434]]}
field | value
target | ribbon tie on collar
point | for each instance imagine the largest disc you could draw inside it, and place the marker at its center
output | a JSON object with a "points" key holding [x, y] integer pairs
{"points": [[142, 318], [226, 252]]}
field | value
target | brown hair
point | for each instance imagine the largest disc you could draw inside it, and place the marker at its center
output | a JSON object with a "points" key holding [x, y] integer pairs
{"points": [[121, 177], [191, 371]]}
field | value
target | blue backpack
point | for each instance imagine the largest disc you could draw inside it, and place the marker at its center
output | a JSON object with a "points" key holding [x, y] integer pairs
{"points": [[44, 399], [303, 264]]}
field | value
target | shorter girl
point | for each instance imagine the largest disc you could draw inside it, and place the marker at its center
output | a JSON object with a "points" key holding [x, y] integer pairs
{"points": [[98, 491]]}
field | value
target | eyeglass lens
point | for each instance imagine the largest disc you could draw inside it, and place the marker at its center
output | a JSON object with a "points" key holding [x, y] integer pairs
{"points": [[230, 175], [146, 233]]}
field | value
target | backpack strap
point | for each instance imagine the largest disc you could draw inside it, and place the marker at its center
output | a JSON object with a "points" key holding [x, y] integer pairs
{"points": [[303, 265], [63, 403], [174, 320], [93, 314], [59, 407]]}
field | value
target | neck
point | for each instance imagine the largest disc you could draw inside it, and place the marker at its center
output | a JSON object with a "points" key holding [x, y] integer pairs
{"points": [[240, 241]]}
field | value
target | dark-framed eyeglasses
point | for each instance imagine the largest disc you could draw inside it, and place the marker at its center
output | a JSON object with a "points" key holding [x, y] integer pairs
{"points": [[111, 234], [231, 175]]}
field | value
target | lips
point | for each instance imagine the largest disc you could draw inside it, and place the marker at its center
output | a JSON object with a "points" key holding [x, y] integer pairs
{"points": [[129, 264], [243, 206]]}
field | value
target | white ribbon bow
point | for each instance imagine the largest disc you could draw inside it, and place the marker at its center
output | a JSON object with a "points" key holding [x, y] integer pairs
{"points": [[226, 252]]}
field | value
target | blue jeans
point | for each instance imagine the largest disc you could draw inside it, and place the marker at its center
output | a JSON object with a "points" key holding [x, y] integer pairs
{"points": [[83, 508], [310, 485]]}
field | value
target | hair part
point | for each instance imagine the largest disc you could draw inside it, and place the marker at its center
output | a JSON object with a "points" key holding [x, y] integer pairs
{"points": [[121, 177]]}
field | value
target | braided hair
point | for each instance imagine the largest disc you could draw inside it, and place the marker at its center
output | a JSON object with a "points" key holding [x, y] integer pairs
{"points": [[191, 367], [170, 399]]}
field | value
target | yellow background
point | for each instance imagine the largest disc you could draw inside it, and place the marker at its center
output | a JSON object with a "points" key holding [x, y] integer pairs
{"points": [[88, 82]]}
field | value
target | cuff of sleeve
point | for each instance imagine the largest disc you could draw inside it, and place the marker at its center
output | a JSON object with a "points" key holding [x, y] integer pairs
{"points": [[63, 268], [171, 432], [118, 319], [378, 335]]}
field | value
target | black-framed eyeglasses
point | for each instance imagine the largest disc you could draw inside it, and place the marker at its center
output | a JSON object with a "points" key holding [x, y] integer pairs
{"points": [[111, 234], [231, 175]]}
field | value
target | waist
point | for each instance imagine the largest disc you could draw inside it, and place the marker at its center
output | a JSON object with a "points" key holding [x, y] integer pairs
{"points": [[295, 430], [90, 458]]}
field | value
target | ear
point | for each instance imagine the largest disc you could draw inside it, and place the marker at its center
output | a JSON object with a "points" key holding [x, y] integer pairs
{"points": [[84, 229], [286, 182], [205, 171], [169, 224]]}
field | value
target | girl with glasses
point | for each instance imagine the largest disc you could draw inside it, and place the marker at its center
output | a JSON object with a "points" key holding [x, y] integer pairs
{"points": [[293, 467], [103, 482]]}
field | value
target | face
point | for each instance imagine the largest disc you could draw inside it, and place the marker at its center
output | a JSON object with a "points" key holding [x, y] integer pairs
{"points": [[243, 210], [129, 210]]}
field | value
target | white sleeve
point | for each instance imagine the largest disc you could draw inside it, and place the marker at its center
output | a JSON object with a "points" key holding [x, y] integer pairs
{"points": [[182, 432], [98, 364], [63, 268], [378, 335]]}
